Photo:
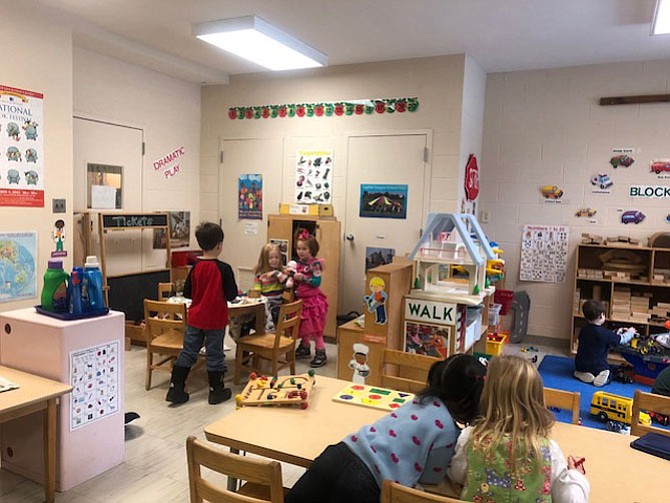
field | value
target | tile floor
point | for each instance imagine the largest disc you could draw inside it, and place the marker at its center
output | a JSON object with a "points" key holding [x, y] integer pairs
{"points": [[154, 469]]}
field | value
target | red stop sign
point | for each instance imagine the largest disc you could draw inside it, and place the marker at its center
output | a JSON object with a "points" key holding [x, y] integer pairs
{"points": [[471, 179]]}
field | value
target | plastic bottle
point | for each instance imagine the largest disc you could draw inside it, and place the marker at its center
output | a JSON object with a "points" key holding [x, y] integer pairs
{"points": [[75, 305], [54, 292], [92, 284]]}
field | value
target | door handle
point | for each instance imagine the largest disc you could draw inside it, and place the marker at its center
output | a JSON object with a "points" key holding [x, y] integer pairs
{"points": [[349, 237]]}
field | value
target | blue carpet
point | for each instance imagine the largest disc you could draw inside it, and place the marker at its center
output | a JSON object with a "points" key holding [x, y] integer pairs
{"points": [[556, 372]]}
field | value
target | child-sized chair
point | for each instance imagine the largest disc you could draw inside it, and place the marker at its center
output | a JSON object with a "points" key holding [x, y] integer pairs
{"points": [[164, 334], [277, 347], [564, 400], [653, 405], [392, 492], [413, 367], [264, 478]]}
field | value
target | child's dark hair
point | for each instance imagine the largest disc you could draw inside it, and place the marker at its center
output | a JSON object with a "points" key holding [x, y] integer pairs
{"points": [[592, 309], [208, 235], [304, 235], [458, 381]]}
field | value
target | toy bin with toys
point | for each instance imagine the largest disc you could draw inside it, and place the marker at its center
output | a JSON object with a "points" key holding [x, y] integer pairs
{"points": [[494, 343]]}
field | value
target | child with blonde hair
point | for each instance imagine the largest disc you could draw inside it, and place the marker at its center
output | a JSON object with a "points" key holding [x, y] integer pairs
{"points": [[270, 279], [507, 455]]}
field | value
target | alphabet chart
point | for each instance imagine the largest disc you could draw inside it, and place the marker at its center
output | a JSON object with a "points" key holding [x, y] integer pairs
{"points": [[94, 376], [544, 253]]}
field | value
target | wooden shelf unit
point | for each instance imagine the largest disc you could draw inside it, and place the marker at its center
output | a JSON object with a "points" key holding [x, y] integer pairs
{"points": [[638, 297]]}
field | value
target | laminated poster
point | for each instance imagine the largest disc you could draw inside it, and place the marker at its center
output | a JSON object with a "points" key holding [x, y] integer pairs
{"points": [[94, 376], [21, 148], [544, 253], [314, 176], [18, 278], [250, 197]]}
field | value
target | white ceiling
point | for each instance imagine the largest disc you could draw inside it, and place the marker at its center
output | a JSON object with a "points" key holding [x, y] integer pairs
{"points": [[501, 35]]}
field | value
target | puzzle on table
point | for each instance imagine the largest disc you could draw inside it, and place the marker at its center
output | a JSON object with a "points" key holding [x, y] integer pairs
{"points": [[371, 396], [277, 390]]}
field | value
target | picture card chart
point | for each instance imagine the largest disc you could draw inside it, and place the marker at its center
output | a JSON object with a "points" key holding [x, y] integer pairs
{"points": [[94, 376], [544, 253], [314, 176]]}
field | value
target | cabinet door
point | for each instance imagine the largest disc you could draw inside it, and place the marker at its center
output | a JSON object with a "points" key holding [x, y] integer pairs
{"points": [[328, 236], [280, 228]]}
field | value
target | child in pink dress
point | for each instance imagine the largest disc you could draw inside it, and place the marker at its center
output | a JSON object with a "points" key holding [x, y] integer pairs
{"points": [[307, 280]]}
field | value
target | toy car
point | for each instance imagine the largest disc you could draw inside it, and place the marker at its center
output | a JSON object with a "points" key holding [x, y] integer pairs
{"points": [[659, 166], [551, 192], [659, 418], [621, 160], [586, 212], [602, 180], [617, 427], [624, 373], [611, 407], [632, 216]]}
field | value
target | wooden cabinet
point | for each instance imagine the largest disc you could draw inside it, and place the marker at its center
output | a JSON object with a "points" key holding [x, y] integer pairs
{"points": [[632, 281], [328, 234]]}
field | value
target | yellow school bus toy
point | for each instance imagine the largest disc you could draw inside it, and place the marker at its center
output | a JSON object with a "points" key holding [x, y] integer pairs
{"points": [[608, 406]]}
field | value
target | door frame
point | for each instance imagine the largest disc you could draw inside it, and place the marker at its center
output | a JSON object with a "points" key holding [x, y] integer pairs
{"points": [[425, 207]]}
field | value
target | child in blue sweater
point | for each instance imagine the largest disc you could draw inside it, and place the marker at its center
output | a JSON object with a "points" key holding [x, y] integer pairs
{"points": [[413, 444]]}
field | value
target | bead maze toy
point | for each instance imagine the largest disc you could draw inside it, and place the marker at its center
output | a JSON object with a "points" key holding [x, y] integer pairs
{"points": [[371, 396], [277, 390]]}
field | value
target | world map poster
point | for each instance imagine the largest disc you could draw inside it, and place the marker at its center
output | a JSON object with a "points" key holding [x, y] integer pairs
{"points": [[18, 278]]}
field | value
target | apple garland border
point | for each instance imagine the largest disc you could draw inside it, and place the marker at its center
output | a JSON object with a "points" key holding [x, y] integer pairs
{"points": [[326, 109]]}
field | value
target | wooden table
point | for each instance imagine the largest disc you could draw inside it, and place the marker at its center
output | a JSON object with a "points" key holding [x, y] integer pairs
{"points": [[247, 305], [617, 472], [35, 394]]}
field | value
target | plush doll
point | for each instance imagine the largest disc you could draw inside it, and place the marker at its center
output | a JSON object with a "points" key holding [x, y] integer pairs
{"points": [[286, 277]]}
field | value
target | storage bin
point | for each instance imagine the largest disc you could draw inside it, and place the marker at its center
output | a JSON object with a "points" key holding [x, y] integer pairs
{"points": [[504, 298], [494, 315], [494, 343]]}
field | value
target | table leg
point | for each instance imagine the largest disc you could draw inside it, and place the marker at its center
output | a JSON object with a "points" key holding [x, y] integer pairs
{"points": [[232, 482], [50, 451], [260, 319]]}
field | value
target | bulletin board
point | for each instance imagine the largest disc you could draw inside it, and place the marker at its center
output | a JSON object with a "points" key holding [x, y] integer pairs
{"points": [[544, 253]]}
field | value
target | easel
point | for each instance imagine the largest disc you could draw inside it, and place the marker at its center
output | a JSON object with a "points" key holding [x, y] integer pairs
{"points": [[135, 221]]}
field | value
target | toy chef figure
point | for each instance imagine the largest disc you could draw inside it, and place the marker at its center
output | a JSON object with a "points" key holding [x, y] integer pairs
{"points": [[358, 365]]}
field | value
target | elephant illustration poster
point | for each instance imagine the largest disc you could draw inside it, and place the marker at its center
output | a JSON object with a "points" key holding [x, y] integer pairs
{"points": [[21, 147]]}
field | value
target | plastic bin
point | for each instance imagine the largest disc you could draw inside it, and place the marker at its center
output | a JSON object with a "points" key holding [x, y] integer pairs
{"points": [[504, 298], [494, 315], [494, 343]]}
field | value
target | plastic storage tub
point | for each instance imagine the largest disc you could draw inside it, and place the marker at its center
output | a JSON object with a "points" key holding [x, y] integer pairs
{"points": [[494, 343]]}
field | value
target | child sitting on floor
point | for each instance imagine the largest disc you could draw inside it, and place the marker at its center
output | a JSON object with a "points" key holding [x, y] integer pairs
{"points": [[594, 341]]}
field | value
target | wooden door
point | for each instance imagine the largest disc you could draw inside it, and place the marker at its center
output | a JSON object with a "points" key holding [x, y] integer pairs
{"points": [[396, 159]]}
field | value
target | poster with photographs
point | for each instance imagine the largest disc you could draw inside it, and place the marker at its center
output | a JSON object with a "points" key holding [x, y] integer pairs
{"points": [[427, 339], [383, 201], [314, 176], [94, 376], [180, 231], [544, 253], [21, 148], [250, 197], [282, 244], [378, 256]]}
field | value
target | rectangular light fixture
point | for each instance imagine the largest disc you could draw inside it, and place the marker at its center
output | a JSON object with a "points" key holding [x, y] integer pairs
{"points": [[256, 40], [661, 23]]}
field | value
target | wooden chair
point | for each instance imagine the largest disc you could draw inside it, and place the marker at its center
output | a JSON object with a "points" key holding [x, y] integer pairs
{"points": [[648, 402], [565, 400], [164, 334], [392, 492], [164, 291], [264, 478], [277, 347], [413, 367]]}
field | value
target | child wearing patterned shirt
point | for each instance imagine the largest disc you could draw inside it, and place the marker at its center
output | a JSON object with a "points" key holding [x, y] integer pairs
{"points": [[507, 455], [410, 445]]}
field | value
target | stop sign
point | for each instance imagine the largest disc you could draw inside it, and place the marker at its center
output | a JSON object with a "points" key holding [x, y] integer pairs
{"points": [[471, 179]]}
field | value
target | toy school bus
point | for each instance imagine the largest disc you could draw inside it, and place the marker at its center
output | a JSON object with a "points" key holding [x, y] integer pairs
{"points": [[608, 406]]}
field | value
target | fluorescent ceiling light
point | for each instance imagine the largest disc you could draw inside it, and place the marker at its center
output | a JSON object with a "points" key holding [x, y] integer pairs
{"points": [[661, 23], [256, 40]]}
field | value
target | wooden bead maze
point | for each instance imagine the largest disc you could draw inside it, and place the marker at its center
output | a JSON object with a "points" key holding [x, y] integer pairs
{"points": [[277, 390]]}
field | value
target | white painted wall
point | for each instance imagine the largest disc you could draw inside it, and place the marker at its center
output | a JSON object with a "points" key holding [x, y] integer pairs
{"points": [[38, 57], [546, 127], [438, 82], [167, 109]]}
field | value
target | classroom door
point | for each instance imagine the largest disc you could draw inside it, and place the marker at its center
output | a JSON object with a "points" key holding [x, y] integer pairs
{"points": [[371, 226], [103, 144]]}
